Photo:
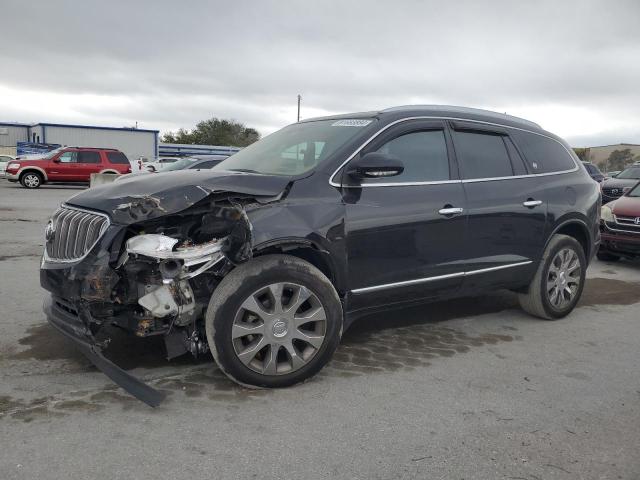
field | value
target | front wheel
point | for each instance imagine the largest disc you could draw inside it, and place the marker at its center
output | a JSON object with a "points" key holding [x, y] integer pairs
{"points": [[31, 180], [273, 322], [558, 283]]}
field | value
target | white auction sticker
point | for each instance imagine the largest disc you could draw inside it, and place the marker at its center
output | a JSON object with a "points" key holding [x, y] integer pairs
{"points": [[351, 123]]}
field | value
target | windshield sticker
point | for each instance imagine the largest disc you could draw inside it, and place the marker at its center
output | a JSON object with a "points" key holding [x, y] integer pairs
{"points": [[351, 123]]}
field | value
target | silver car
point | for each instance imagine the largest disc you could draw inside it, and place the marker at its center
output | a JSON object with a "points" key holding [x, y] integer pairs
{"points": [[4, 161]]}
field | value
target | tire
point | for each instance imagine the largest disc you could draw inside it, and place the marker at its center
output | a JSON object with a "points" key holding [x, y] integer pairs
{"points": [[607, 257], [540, 300], [286, 347], [31, 179]]}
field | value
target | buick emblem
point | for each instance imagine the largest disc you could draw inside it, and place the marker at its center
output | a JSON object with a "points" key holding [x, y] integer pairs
{"points": [[49, 232], [637, 221], [279, 329], [614, 190]]}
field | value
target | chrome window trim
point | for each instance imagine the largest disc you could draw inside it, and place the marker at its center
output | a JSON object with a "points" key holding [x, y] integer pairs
{"points": [[471, 180], [100, 235], [417, 281]]}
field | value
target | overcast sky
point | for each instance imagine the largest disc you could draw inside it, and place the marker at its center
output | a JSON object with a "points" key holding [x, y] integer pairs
{"points": [[573, 67]]}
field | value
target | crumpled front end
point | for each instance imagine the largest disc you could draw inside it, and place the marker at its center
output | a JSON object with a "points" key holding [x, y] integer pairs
{"points": [[150, 277]]}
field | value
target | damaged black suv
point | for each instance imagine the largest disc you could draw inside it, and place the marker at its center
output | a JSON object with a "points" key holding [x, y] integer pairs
{"points": [[266, 259]]}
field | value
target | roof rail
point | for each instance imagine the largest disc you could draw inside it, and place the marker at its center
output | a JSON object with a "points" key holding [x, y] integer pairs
{"points": [[464, 110]]}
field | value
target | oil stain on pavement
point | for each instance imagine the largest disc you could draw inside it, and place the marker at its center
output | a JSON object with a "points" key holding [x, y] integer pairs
{"points": [[409, 338]]}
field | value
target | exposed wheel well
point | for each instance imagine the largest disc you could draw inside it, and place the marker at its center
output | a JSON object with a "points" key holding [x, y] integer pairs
{"points": [[577, 231], [305, 252], [32, 170]]}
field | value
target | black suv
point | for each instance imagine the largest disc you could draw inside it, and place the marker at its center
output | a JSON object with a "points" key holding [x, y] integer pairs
{"points": [[267, 258]]}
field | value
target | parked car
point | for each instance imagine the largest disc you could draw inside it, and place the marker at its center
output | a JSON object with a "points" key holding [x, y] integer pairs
{"points": [[620, 227], [161, 163], [194, 161], [594, 171], [4, 160], [186, 163], [269, 257], [67, 164], [614, 188], [207, 161]]}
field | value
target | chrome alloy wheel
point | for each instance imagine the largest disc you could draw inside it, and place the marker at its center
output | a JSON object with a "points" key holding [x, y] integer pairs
{"points": [[563, 278], [31, 180], [279, 329]]}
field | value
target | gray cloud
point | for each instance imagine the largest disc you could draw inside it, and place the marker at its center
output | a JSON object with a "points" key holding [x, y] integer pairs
{"points": [[170, 64]]}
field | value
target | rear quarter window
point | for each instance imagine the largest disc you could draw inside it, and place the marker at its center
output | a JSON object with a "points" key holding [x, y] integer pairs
{"points": [[543, 154], [117, 158]]}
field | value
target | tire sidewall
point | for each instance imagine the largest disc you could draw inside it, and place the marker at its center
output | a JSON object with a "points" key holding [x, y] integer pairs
{"points": [[220, 320], [562, 243], [25, 175]]}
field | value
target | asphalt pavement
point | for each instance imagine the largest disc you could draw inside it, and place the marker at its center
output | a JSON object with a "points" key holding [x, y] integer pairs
{"points": [[467, 389]]}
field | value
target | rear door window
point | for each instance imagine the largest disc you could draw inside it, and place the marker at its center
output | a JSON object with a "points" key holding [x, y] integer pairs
{"points": [[544, 154], [88, 157], [482, 155], [118, 158]]}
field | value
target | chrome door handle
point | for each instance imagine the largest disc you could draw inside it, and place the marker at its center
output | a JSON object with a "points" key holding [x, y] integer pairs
{"points": [[532, 203], [450, 211]]}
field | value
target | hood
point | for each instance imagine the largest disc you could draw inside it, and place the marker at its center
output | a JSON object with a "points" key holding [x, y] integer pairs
{"points": [[142, 197], [627, 207], [619, 182]]}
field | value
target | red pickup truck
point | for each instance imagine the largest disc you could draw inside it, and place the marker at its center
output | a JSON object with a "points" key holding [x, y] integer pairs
{"points": [[67, 164]]}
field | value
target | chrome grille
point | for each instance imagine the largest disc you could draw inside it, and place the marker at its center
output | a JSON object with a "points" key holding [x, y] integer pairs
{"points": [[612, 192], [72, 232], [631, 224]]}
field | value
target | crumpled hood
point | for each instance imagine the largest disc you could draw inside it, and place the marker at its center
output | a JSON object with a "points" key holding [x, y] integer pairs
{"points": [[149, 196]]}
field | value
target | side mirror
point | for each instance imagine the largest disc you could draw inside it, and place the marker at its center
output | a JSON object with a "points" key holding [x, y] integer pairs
{"points": [[56, 160], [375, 165]]}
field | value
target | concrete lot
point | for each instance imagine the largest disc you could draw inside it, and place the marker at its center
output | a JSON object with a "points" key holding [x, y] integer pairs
{"points": [[468, 389]]}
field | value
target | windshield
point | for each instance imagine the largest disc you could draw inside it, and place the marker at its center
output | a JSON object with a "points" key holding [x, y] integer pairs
{"points": [[630, 173], [51, 154], [295, 149], [635, 191]]}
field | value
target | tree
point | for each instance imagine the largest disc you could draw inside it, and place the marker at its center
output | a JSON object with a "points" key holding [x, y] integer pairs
{"points": [[214, 131], [619, 159], [582, 153]]}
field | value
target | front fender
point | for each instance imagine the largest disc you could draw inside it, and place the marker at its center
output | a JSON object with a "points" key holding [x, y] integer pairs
{"points": [[303, 225]]}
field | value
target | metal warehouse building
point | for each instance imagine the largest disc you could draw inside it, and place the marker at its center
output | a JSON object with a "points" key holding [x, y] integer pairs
{"points": [[134, 142]]}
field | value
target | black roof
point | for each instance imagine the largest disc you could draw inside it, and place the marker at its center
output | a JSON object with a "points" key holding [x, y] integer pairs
{"points": [[441, 111]]}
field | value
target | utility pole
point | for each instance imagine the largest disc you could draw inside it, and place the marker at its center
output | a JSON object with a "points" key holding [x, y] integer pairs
{"points": [[299, 98]]}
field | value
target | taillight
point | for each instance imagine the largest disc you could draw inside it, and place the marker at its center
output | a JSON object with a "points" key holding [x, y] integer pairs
{"points": [[128, 170]]}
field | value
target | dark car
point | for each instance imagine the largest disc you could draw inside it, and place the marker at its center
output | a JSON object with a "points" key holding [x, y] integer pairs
{"points": [[191, 162], [594, 172], [614, 188], [269, 257], [620, 227]]}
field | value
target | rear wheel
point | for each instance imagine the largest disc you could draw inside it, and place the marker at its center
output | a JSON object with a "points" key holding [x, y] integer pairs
{"points": [[273, 322], [558, 283], [31, 179]]}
